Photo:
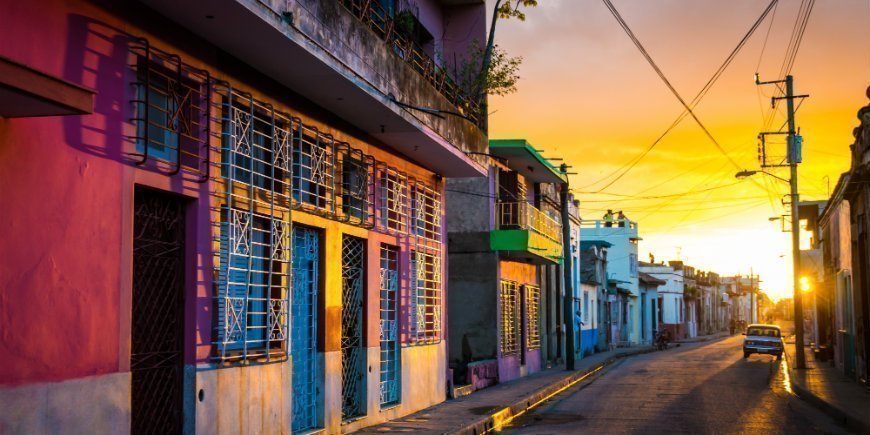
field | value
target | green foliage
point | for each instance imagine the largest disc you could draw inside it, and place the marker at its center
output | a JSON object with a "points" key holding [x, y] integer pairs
{"points": [[499, 78], [405, 23], [507, 10]]}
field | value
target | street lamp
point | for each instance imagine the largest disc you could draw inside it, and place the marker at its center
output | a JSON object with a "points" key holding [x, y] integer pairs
{"points": [[747, 173]]}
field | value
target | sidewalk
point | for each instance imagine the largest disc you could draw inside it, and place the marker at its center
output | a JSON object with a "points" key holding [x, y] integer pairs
{"points": [[828, 389], [492, 407]]}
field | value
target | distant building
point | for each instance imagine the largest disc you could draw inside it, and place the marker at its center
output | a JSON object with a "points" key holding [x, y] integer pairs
{"points": [[593, 277], [670, 303], [622, 271]]}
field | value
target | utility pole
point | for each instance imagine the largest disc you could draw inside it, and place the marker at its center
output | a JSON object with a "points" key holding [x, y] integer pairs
{"points": [[793, 157], [567, 265]]}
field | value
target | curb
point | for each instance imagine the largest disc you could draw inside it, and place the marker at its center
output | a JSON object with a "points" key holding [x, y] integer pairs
{"points": [[845, 418], [841, 416], [498, 418]]}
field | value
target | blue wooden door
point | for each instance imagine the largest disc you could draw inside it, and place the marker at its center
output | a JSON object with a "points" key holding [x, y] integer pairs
{"points": [[307, 377]]}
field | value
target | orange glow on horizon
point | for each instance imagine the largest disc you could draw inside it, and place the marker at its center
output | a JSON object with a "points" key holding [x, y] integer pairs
{"points": [[587, 95]]}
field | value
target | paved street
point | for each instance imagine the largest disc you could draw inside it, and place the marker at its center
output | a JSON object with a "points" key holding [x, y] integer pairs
{"points": [[697, 388]]}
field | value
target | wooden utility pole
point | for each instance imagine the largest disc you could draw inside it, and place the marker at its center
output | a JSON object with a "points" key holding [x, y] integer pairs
{"points": [[793, 157], [567, 266]]}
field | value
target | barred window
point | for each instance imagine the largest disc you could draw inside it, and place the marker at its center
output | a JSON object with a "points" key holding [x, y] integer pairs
{"points": [[425, 297], [509, 327], [357, 189], [252, 230], [533, 310], [257, 153], [426, 212], [314, 171], [253, 286], [171, 110], [393, 193], [390, 380]]}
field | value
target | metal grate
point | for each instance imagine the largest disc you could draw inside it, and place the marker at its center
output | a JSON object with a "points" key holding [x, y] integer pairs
{"points": [[425, 296], [157, 351], [314, 171], [306, 371], [379, 18], [389, 342], [509, 327], [393, 197], [171, 110], [253, 229], [357, 186], [533, 310], [426, 212], [353, 352]]}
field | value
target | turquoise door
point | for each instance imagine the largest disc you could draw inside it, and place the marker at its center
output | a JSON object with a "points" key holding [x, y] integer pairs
{"points": [[307, 377]]}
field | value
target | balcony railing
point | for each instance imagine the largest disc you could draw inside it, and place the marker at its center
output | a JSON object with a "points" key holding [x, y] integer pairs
{"points": [[522, 215], [378, 19]]}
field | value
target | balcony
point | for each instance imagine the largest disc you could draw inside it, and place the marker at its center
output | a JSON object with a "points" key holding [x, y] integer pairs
{"points": [[525, 233], [327, 55], [593, 229]]}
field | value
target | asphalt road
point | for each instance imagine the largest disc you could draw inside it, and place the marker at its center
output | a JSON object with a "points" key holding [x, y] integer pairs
{"points": [[693, 389]]}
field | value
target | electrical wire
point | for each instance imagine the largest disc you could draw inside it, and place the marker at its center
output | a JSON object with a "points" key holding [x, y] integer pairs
{"points": [[688, 108]]}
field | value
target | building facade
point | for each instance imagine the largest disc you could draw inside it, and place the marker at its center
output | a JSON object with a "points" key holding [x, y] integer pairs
{"points": [[622, 273], [857, 193], [239, 225], [505, 248], [670, 304], [593, 279], [837, 259]]}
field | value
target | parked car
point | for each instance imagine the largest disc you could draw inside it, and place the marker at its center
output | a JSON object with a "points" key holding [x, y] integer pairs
{"points": [[762, 338]]}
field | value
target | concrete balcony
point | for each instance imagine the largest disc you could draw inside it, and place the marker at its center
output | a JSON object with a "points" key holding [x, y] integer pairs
{"points": [[594, 229], [322, 51], [525, 233]]}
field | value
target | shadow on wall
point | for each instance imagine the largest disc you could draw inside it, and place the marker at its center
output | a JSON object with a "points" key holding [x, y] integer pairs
{"points": [[99, 57], [96, 58]]}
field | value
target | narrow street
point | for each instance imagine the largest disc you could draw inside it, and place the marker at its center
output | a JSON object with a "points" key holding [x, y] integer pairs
{"points": [[694, 388]]}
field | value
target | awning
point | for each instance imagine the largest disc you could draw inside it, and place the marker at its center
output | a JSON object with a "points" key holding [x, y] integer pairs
{"points": [[525, 159]]}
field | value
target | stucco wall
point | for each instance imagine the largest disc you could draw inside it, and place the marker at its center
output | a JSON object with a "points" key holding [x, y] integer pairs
{"points": [[93, 405]]}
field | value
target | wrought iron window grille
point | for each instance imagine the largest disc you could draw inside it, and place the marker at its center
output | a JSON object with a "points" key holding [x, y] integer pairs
{"points": [[314, 178], [533, 310], [425, 296], [252, 234], [509, 321], [170, 111], [393, 200], [425, 212], [357, 186], [390, 368]]}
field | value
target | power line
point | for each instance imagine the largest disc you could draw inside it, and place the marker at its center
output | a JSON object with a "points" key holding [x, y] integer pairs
{"points": [[688, 108]]}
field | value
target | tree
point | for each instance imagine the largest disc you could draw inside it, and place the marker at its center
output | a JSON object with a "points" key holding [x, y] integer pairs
{"points": [[506, 76]]}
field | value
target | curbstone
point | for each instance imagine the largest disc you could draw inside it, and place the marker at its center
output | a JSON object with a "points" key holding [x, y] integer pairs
{"points": [[504, 415]]}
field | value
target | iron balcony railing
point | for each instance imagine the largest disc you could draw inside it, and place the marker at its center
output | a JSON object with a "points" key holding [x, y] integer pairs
{"points": [[374, 15], [522, 215]]}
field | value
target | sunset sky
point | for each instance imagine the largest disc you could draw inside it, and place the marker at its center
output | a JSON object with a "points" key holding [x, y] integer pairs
{"points": [[587, 94]]}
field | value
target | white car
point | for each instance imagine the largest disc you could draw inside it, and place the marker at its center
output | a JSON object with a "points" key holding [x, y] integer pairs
{"points": [[763, 339]]}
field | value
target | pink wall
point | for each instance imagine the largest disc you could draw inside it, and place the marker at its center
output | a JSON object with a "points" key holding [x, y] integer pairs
{"points": [[66, 266]]}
